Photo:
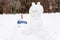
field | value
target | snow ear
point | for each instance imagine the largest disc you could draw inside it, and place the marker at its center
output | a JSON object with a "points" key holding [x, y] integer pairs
{"points": [[33, 3], [38, 3]]}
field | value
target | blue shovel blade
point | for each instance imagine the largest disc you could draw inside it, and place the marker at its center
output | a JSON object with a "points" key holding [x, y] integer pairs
{"points": [[20, 22]]}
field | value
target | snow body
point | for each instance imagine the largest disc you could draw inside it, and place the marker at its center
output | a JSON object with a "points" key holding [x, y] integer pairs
{"points": [[36, 11]]}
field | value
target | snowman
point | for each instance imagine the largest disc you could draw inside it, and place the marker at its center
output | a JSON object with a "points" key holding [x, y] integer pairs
{"points": [[36, 24], [36, 11]]}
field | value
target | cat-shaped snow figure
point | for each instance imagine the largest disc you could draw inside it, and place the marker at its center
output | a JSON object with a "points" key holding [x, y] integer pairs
{"points": [[36, 11]]}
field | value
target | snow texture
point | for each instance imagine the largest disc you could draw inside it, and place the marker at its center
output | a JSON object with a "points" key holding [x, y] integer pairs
{"points": [[43, 27]]}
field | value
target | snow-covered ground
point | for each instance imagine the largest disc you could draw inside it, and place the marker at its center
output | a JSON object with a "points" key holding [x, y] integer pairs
{"points": [[9, 29]]}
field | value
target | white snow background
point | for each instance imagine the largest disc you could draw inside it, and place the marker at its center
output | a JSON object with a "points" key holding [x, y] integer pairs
{"points": [[9, 29]]}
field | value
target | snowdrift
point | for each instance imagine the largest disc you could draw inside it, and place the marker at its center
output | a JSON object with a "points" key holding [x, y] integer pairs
{"points": [[50, 31]]}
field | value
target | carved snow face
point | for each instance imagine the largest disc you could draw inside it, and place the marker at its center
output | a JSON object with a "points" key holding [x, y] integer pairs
{"points": [[36, 10]]}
